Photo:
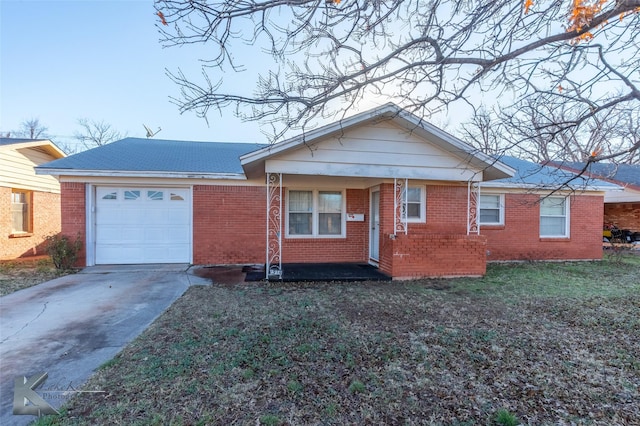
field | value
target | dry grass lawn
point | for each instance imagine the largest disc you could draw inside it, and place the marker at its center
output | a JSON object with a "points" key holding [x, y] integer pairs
{"points": [[546, 343], [22, 273]]}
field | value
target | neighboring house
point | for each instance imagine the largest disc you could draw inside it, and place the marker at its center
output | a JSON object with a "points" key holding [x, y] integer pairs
{"points": [[29, 203], [382, 187], [621, 208]]}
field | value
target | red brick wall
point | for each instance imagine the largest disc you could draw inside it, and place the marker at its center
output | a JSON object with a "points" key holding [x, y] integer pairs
{"points": [[623, 215], [229, 224], [353, 248], [433, 255], [439, 247], [519, 238], [45, 220], [73, 215]]}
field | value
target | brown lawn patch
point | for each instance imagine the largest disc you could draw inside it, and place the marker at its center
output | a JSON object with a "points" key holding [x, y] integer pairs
{"points": [[546, 343], [26, 272]]}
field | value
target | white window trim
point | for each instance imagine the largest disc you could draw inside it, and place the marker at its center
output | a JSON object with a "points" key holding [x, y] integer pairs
{"points": [[315, 213], [501, 213], [567, 222], [423, 205], [27, 228]]}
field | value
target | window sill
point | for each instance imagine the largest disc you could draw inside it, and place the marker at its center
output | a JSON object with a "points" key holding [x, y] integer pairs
{"points": [[315, 237], [21, 235], [554, 239], [495, 226]]}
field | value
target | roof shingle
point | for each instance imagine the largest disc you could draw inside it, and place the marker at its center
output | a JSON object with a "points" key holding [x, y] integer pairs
{"points": [[158, 155]]}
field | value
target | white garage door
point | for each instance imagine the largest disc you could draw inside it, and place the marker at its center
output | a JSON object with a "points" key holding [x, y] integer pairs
{"points": [[143, 225]]}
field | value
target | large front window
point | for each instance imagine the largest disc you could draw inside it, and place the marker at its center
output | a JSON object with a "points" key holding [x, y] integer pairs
{"points": [[553, 217], [314, 213]]}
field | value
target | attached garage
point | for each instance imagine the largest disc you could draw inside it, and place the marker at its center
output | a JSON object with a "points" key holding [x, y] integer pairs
{"points": [[142, 225]]}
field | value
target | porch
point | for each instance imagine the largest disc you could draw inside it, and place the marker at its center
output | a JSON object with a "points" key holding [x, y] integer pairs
{"points": [[292, 272], [307, 272]]}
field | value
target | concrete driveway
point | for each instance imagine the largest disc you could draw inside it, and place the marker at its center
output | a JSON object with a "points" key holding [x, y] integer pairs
{"points": [[69, 326]]}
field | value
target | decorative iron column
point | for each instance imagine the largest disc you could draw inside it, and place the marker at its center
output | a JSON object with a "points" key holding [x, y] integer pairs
{"points": [[400, 187], [473, 208], [273, 266]]}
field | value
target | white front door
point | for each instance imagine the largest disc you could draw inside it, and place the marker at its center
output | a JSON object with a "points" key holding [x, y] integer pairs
{"points": [[142, 225], [374, 227]]}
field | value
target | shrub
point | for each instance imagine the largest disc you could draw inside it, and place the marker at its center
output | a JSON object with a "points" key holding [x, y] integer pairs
{"points": [[63, 251], [356, 387], [505, 418]]}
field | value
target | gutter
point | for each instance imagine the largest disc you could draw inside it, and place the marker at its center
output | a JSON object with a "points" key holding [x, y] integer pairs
{"points": [[541, 187], [137, 173]]}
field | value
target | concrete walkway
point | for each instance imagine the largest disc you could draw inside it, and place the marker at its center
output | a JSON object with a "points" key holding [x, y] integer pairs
{"points": [[69, 326]]}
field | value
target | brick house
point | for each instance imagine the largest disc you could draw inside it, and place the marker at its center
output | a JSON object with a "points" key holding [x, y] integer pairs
{"points": [[382, 187], [29, 203]]}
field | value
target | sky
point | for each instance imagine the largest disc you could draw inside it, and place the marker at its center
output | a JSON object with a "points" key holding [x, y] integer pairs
{"points": [[61, 61]]}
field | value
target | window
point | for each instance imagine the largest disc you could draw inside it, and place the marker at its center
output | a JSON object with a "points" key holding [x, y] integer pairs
{"points": [[553, 217], [155, 195], [414, 204], [20, 211], [131, 195], [316, 213], [110, 196], [330, 213], [300, 212], [492, 209]]}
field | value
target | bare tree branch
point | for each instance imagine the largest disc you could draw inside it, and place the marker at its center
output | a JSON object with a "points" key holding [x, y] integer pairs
{"points": [[32, 129], [311, 60], [95, 133]]}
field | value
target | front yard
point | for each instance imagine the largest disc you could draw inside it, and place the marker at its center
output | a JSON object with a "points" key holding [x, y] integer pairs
{"points": [[22, 273], [547, 343]]}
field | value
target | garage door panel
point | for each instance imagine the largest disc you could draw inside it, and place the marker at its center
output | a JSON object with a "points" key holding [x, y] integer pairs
{"points": [[179, 234], [143, 225], [113, 254]]}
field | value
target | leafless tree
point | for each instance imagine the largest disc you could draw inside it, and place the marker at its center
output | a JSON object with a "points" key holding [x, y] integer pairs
{"points": [[95, 133], [484, 132], [32, 129], [316, 59], [534, 132]]}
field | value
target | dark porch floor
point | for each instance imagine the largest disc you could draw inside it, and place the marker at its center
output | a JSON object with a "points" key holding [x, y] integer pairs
{"points": [[293, 272]]}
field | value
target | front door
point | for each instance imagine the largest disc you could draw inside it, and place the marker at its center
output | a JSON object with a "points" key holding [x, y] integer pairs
{"points": [[374, 227]]}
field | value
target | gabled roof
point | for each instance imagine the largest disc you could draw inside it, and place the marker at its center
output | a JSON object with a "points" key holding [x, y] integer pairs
{"points": [[622, 174], [21, 143], [537, 176], [154, 157], [492, 168]]}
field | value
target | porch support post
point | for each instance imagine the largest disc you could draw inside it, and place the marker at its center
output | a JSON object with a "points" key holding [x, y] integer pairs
{"points": [[399, 208], [473, 208], [273, 266]]}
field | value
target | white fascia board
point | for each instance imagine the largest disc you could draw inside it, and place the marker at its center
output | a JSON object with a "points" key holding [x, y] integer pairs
{"points": [[507, 185], [131, 173]]}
